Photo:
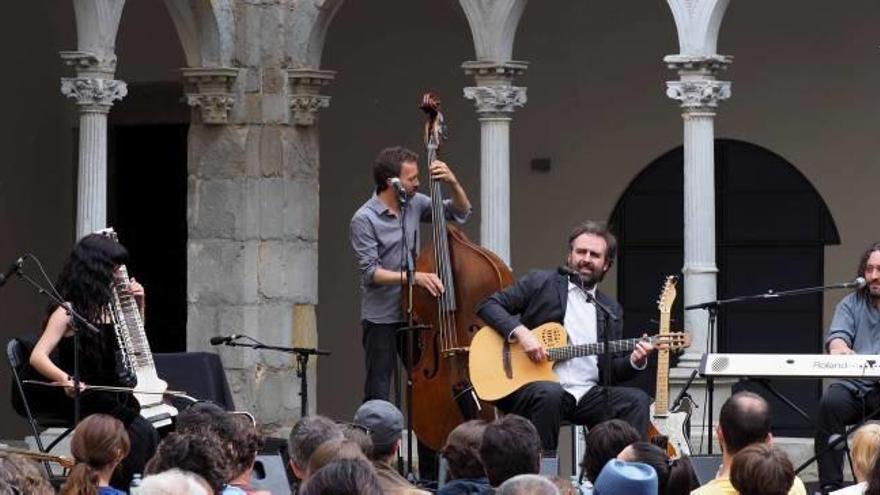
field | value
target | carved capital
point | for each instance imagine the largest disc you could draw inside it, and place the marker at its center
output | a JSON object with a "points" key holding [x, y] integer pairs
{"points": [[210, 90], [93, 95], [698, 94], [495, 100], [305, 100], [89, 64]]}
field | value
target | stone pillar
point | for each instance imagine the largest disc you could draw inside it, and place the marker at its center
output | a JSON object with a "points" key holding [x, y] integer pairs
{"points": [[699, 93], [94, 90], [495, 98], [253, 223]]}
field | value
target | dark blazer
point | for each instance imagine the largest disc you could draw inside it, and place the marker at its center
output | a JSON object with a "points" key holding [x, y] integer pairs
{"points": [[540, 297]]}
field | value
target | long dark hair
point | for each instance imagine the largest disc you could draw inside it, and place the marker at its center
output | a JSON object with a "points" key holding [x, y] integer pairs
{"points": [[864, 292], [88, 272]]}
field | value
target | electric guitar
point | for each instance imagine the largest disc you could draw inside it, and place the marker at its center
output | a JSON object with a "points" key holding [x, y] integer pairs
{"points": [[670, 424], [498, 368]]}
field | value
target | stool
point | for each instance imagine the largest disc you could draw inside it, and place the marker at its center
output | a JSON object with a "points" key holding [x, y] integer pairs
{"points": [[578, 438]]}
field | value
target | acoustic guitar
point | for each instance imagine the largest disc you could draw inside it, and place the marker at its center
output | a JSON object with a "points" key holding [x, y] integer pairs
{"points": [[498, 367]]}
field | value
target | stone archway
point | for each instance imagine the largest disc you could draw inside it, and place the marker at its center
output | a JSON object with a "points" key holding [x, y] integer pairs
{"points": [[773, 226]]}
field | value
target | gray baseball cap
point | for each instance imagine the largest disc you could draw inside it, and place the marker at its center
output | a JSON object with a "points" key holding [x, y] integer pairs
{"points": [[383, 420]]}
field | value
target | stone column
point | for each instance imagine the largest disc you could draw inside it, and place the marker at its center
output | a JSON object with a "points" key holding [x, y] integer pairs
{"points": [[253, 224], [699, 93], [94, 90], [495, 98]]}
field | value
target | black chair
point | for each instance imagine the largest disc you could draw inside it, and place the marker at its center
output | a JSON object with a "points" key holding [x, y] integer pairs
{"points": [[18, 354]]}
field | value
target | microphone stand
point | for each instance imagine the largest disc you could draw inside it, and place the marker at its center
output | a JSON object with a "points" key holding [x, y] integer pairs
{"points": [[77, 321], [606, 316], [409, 269], [713, 308], [302, 361]]}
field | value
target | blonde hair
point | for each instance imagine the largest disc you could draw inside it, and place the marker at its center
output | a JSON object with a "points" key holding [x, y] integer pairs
{"points": [[866, 443]]}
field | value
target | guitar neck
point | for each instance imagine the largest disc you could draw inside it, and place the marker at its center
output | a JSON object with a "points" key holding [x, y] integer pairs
{"points": [[574, 351], [661, 397]]}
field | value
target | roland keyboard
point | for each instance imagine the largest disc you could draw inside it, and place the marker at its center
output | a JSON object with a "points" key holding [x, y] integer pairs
{"points": [[791, 365]]}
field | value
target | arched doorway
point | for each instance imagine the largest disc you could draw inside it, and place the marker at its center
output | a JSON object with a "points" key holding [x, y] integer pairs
{"points": [[771, 227]]}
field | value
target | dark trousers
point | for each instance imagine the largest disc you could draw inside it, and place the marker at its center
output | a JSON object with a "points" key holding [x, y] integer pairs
{"points": [[840, 406], [380, 357], [382, 343], [143, 439], [546, 404]]}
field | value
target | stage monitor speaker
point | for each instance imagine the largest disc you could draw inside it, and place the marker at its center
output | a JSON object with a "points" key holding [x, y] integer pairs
{"points": [[272, 471], [705, 467]]}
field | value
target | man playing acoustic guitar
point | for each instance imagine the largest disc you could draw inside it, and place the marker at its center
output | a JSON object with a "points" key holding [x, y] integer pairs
{"points": [[568, 296]]}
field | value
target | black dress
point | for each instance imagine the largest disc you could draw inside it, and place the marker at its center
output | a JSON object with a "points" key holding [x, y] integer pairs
{"points": [[98, 366]]}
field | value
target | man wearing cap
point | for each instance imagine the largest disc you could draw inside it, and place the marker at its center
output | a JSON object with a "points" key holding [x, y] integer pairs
{"points": [[384, 422]]}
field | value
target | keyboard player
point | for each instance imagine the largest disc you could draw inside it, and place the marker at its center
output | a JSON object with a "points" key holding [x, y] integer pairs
{"points": [[855, 329]]}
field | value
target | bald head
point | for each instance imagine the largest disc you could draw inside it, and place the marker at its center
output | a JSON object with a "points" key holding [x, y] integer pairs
{"points": [[745, 420]]}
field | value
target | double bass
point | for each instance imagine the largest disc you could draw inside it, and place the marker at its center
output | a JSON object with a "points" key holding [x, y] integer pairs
{"points": [[442, 395]]}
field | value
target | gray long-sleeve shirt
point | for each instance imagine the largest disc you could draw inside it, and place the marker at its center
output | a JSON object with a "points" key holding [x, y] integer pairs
{"points": [[857, 322], [377, 241]]}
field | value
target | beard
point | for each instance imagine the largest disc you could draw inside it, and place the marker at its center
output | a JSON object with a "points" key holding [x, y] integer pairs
{"points": [[589, 280]]}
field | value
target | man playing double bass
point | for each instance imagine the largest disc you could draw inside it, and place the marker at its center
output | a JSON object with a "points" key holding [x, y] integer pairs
{"points": [[567, 296], [377, 241]]}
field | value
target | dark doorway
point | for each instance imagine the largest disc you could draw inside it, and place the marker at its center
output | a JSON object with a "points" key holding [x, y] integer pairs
{"points": [[147, 207], [771, 228]]}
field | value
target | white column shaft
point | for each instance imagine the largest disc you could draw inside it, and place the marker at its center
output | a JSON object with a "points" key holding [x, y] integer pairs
{"points": [[92, 184], [495, 185], [700, 271]]}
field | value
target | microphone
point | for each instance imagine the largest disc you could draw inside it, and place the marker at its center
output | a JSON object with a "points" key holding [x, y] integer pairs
{"points": [[224, 340], [576, 279], [398, 188], [12, 270], [858, 283]]}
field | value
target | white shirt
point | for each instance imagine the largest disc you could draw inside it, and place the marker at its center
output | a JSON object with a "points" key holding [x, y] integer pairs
{"points": [[856, 489], [579, 375]]}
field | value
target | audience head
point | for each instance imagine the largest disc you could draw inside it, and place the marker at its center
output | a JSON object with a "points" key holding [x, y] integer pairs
{"points": [[626, 478], [384, 421], [194, 452], [343, 477], [674, 476], [527, 484], [358, 435], [510, 446], [99, 443], [604, 442], [462, 450], [564, 485], [333, 450], [246, 444], [744, 420], [761, 469], [175, 482], [865, 444], [22, 475], [307, 434]]}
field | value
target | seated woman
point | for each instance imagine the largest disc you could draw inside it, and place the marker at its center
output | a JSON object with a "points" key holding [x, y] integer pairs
{"points": [[99, 444], [85, 285]]}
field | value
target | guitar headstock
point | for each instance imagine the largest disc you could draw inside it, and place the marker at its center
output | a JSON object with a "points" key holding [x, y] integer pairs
{"points": [[435, 125], [672, 341], [667, 294]]}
